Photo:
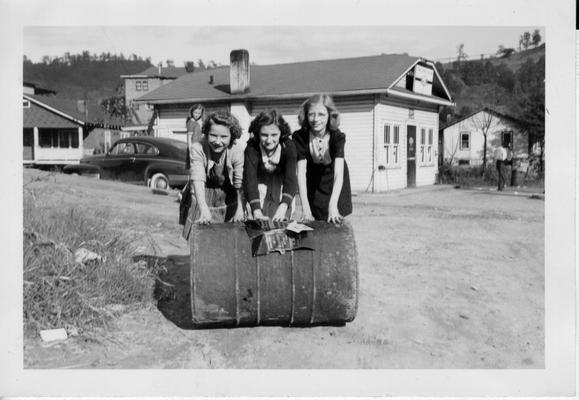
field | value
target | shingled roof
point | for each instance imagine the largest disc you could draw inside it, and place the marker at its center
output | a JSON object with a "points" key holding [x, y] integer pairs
{"points": [[338, 76], [95, 116]]}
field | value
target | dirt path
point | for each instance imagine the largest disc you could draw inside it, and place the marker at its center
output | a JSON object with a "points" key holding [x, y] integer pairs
{"points": [[448, 279]]}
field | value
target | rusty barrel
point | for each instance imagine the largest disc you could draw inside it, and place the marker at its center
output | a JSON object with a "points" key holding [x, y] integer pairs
{"points": [[303, 287]]}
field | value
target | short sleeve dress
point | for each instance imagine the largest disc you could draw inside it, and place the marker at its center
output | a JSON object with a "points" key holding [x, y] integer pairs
{"points": [[270, 181], [320, 173]]}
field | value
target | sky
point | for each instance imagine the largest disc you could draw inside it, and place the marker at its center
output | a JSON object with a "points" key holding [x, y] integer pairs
{"points": [[269, 44]]}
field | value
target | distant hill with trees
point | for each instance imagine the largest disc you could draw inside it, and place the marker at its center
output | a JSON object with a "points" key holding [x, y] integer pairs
{"points": [[83, 76], [513, 83]]}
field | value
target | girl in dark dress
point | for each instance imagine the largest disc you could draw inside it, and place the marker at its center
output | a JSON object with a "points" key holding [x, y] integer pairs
{"points": [[269, 172], [323, 177]]}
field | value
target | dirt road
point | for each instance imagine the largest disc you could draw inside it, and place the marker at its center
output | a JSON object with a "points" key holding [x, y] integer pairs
{"points": [[448, 279]]}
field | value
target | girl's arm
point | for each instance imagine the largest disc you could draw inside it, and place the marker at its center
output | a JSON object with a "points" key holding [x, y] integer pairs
{"points": [[333, 213], [239, 214], [303, 189], [205, 217], [290, 183]]}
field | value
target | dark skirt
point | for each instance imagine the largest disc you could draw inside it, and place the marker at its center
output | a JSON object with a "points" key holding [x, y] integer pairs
{"points": [[320, 181]]}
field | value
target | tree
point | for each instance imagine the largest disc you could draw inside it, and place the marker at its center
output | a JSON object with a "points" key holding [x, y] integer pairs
{"points": [[170, 63], [526, 40], [505, 52], [189, 66], [461, 56], [201, 64], [483, 121], [536, 38]]}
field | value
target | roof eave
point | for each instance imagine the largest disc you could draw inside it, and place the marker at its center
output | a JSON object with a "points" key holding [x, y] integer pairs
{"points": [[249, 96], [427, 99]]}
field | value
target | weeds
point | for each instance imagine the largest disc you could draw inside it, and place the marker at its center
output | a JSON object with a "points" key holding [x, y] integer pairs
{"points": [[472, 176], [62, 293]]}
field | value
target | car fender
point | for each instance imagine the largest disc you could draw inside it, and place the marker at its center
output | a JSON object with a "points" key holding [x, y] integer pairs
{"points": [[162, 166]]}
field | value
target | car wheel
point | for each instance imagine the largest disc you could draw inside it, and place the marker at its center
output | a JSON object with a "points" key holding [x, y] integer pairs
{"points": [[159, 181]]}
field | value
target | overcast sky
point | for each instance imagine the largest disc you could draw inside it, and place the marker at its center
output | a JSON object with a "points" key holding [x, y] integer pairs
{"points": [[268, 44]]}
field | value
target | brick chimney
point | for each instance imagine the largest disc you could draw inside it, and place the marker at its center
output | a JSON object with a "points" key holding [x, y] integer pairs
{"points": [[239, 71]]}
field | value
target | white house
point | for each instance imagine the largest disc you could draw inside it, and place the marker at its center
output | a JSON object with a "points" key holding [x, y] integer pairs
{"points": [[463, 139], [61, 131], [389, 108]]}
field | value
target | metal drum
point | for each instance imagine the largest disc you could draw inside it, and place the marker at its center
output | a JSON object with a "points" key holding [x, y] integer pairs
{"points": [[230, 287]]}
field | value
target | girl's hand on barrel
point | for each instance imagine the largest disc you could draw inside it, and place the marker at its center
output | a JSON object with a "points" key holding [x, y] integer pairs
{"points": [[239, 216], [280, 212], [307, 217], [205, 217], [334, 215], [258, 215]]}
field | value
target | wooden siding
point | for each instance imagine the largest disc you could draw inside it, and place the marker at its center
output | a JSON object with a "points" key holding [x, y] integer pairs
{"points": [[356, 122], [172, 117], [474, 155], [394, 176]]}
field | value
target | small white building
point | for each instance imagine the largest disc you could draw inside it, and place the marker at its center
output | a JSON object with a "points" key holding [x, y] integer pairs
{"points": [[61, 131], [463, 139], [389, 107]]}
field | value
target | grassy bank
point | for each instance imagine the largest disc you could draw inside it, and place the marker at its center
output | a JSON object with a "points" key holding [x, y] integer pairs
{"points": [[60, 292]]}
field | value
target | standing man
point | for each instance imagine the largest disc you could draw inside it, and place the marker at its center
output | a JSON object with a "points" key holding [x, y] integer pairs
{"points": [[501, 155]]}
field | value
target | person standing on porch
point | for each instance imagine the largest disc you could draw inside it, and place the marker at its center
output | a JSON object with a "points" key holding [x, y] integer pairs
{"points": [[323, 177]]}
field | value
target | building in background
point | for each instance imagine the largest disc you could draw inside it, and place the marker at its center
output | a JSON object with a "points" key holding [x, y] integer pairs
{"points": [[463, 139], [389, 107], [61, 131], [140, 84]]}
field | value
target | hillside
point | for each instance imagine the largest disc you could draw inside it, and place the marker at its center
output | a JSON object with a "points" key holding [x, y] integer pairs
{"points": [[83, 76], [512, 85]]}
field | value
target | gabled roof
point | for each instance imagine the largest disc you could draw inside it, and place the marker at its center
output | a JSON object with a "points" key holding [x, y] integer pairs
{"points": [[488, 110], [67, 108], [153, 72], [373, 74]]}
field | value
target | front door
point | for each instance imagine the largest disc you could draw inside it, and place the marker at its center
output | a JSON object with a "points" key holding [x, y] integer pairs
{"points": [[410, 156]]}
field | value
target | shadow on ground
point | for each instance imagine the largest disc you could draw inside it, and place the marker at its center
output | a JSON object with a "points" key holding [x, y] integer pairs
{"points": [[172, 288]]}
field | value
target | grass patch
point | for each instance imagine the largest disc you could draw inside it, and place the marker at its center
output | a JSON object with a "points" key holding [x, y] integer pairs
{"points": [[62, 293]]}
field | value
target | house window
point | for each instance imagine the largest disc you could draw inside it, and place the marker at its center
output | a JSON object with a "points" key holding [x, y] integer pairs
{"points": [[391, 144], [396, 144], [26, 103], [387, 143], [464, 140], [422, 145], [507, 137], [463, 162], [142, 85], [429, 146], [58, 138]]}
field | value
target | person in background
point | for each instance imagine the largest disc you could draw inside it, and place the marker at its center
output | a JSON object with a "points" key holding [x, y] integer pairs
{"points": [[269, 172], [501, 157], [323, 177], [216, 173], [193, 123]]}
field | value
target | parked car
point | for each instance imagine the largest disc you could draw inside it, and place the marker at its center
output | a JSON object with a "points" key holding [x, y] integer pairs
{"points": [[157, 162]]}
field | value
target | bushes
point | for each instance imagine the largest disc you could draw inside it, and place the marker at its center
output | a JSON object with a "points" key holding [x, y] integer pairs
{"points": [[474, 176], [61, 293]]}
